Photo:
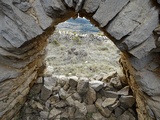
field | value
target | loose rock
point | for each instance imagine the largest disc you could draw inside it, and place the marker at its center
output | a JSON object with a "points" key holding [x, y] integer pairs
{"points": [[96, 85]]}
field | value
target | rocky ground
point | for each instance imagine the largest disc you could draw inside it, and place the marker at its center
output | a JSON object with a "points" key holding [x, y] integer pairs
{"points": [[82, 82], [85, 55], [74, 98]]}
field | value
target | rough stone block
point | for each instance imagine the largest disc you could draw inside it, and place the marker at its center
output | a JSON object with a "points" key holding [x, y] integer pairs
{"points": [[129, 18], [91, 6], [144, 31], [149, 82], [144, 49], [43, 19], [107, 11]]}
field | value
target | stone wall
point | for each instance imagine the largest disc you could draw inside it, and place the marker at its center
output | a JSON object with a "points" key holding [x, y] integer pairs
{"points": [[131, 24], [103, 97]]}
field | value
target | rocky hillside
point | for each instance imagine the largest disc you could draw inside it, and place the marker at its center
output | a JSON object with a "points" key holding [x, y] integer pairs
{"points": [[81, 54]]}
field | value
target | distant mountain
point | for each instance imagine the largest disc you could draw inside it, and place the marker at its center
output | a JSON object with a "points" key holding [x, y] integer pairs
{"points": [[80, 25]]}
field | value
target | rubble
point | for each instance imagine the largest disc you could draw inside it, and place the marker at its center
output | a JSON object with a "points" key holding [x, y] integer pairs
{"points": [[82, 99]]}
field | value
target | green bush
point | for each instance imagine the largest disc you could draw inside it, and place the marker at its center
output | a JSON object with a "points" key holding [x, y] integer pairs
{"points": [[55, 42], [77, 40]]}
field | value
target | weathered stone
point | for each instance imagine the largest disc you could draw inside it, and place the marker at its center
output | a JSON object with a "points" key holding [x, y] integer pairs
{"points": [[43, 19], [44, 114], [153, 107], [23, 6], [69, 3], [91, 96], [35, 89], [114, 106], [36, 105], [107, 77], [73, 81], [76, 96], [109, 94], [71, 112], [126, 116], [56, 89], [39, 105], [107, 12], [8, 74], [50, 82], [64, 116], [22, 42], [104, 111], [53, 8], [48, 71], [149, 24], [115, 82], [91, 108], [144, 49], [66, 86], [79, 115], [28, 110], [96, 85], [70, 101], [129, 18], [54, 99], [72, 90], [98, 116], [81, 107], [63, 94], [62, 80], [79, 5], [60, 104], [18, 35], [54, 112], [139, 64], [45, 93], [91, 6], [149, 82], [39, 80], [127, 100], [118, 112], [124, 91], [82, 86], [108, 102], [58, 117]]}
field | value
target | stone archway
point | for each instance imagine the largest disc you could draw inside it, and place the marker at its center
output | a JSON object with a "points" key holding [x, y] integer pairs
{"points": [[131, 25]]}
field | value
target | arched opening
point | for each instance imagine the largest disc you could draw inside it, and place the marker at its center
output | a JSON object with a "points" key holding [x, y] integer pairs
{"points": [[83, 72], [28, 24]]}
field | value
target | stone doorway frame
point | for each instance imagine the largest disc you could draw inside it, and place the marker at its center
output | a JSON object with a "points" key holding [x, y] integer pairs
{"points": [[26, 25]]}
